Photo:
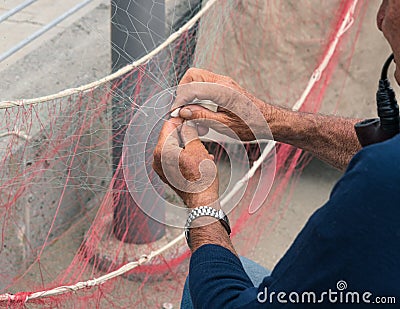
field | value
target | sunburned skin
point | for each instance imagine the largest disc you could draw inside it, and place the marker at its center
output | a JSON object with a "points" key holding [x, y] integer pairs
{"points": [[332, 139]]}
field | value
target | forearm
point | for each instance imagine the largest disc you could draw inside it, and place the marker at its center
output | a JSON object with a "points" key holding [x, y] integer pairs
{"points": [[211, 234], [330, 138]]}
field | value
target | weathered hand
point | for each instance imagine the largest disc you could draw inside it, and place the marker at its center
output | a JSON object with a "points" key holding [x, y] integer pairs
{"points": [[330, 138], [237, 109], [182, 162]]}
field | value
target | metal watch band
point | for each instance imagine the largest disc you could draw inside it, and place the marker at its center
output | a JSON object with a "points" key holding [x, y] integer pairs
{"points": [[208, 211]]}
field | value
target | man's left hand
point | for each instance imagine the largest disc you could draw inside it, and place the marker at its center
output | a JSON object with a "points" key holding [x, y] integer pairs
{"points": [[182, 162]]}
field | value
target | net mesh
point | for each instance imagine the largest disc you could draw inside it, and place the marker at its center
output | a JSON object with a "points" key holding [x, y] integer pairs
{"points": [[68, 222]]}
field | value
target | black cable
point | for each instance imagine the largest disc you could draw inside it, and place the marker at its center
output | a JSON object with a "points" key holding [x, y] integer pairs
{"points": [[388, 110]]}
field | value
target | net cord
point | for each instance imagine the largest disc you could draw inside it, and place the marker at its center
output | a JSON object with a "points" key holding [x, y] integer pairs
{"points": [[126, 69], [345, 25]]}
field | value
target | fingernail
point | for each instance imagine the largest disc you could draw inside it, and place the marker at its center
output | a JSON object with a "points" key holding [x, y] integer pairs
{"points": [[185, 113], [175, 113]]}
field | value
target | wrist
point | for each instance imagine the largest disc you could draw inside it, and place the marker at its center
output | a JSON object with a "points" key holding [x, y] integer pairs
{"points": [[202, 223], [203, 200], [273, 116], [285, 124]]}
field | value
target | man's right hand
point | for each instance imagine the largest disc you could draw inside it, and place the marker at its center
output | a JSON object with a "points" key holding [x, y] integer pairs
{"points": [[204, 85], [330, 138]]}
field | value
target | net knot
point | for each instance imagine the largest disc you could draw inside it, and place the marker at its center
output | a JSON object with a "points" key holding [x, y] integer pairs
{"points": [[90, 283], [143, 259]]}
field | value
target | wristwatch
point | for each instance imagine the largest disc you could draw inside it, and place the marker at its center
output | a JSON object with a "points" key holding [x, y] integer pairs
{"points": [[206, 211]]}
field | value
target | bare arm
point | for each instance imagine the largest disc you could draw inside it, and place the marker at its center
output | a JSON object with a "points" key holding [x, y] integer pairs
{"points": [[213, 233], [330, 138]]}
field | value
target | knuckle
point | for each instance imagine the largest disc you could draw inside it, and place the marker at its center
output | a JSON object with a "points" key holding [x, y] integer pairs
{"points": [[188, 76], [203, 75], [199, 115], [226, 79], [191, 70]]}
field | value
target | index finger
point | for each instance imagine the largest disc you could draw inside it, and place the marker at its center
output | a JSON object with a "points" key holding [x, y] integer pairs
{"points": [[200, 75], [217, 93]]}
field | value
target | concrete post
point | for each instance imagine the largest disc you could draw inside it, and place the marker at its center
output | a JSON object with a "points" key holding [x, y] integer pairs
{"points": [[137, 28]]}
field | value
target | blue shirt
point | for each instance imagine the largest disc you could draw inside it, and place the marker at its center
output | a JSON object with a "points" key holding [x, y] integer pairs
{"points": [[349, 250]]}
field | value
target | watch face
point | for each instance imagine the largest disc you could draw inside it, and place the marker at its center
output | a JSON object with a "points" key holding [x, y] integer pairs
{"points": [[226, 225], [224, 221], [187, 236], [227, 221]]}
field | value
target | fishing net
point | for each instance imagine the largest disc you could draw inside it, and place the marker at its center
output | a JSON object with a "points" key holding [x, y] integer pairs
{"points": [[73, 236]]}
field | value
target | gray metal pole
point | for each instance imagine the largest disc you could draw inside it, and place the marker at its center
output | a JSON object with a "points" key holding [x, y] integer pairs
{"points": [[137, 28]]}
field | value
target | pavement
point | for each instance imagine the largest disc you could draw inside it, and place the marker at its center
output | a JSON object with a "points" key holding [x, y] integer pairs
{"points": [[31, 19]]}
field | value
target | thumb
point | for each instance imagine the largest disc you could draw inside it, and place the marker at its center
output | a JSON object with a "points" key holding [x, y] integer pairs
{"points": [[204, 118], [197, 112]]}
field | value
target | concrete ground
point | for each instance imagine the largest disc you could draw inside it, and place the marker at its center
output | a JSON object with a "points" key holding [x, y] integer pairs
{"points": [[64, 57], [31, 19], [53, 57]]}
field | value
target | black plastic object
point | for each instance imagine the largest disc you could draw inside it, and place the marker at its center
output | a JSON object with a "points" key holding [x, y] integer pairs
{"points": [[371, 131]]}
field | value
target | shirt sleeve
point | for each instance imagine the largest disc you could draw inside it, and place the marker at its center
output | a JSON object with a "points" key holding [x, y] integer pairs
{"points": [[217, 279], [353, 238]]}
